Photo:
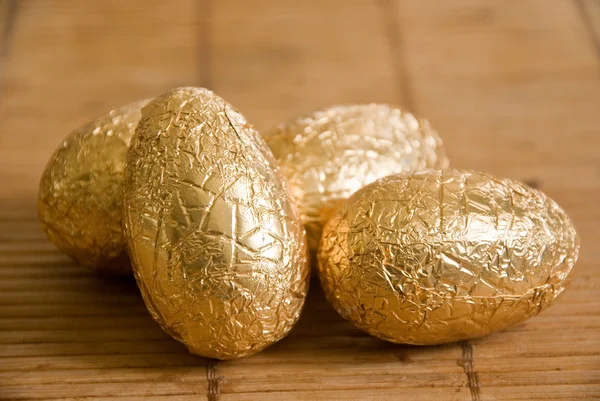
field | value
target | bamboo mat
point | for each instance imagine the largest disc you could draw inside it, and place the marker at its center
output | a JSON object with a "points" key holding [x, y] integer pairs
{"points": [[512, 86]]}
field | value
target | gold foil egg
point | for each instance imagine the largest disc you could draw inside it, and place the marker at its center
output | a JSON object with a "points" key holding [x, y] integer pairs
{"points": [[330, 154], [80, 193], [442, 256], [217, 246]]}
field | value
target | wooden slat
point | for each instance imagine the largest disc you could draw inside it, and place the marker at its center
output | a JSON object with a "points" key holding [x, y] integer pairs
{"points": [[111, 389], [151, 397], [108, 361], [101, 376], [374, 378], [432, 393], [162, 346], [95, 335], [557, 391]]}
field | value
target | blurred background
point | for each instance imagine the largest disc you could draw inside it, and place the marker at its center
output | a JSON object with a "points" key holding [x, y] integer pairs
{"points": [[513, 87]]}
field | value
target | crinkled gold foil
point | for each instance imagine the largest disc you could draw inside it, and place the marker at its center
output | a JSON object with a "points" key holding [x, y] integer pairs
{"points": [[330, 154], [442, 256], [217, 246], [80, 193]]}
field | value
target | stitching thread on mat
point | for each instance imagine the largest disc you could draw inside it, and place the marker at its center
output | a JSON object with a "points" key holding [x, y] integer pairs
{"points": [[472, 376], [214, 385]]}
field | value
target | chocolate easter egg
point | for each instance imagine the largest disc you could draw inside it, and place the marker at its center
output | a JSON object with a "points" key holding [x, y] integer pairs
{"points": [[447, 255], [217, 245]]}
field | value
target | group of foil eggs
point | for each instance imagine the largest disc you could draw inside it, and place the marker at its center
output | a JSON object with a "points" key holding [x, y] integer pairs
{"points": [[221, 226]]}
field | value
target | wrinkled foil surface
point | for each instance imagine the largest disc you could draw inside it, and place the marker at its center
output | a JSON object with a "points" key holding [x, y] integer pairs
{"points": [[330, 154], [217, 245], [442, 256], [80, 195]]}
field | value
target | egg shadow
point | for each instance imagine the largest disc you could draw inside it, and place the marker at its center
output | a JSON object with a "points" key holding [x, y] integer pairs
{"points": [[321, 334]]}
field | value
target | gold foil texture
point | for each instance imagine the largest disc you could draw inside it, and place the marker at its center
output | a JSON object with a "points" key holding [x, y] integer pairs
{"points": [[80, 193], [217, 246], [442, 256], [330, 154]]}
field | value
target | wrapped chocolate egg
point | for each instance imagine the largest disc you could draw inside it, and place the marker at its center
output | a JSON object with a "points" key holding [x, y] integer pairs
{"points": [[80, 196], [217, 245], [330, 154], [442, 256]]}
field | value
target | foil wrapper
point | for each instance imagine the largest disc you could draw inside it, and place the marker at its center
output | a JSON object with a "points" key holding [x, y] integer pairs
{"points": [[442, 256], [217, 245], [80, 194], [330, 154]]}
